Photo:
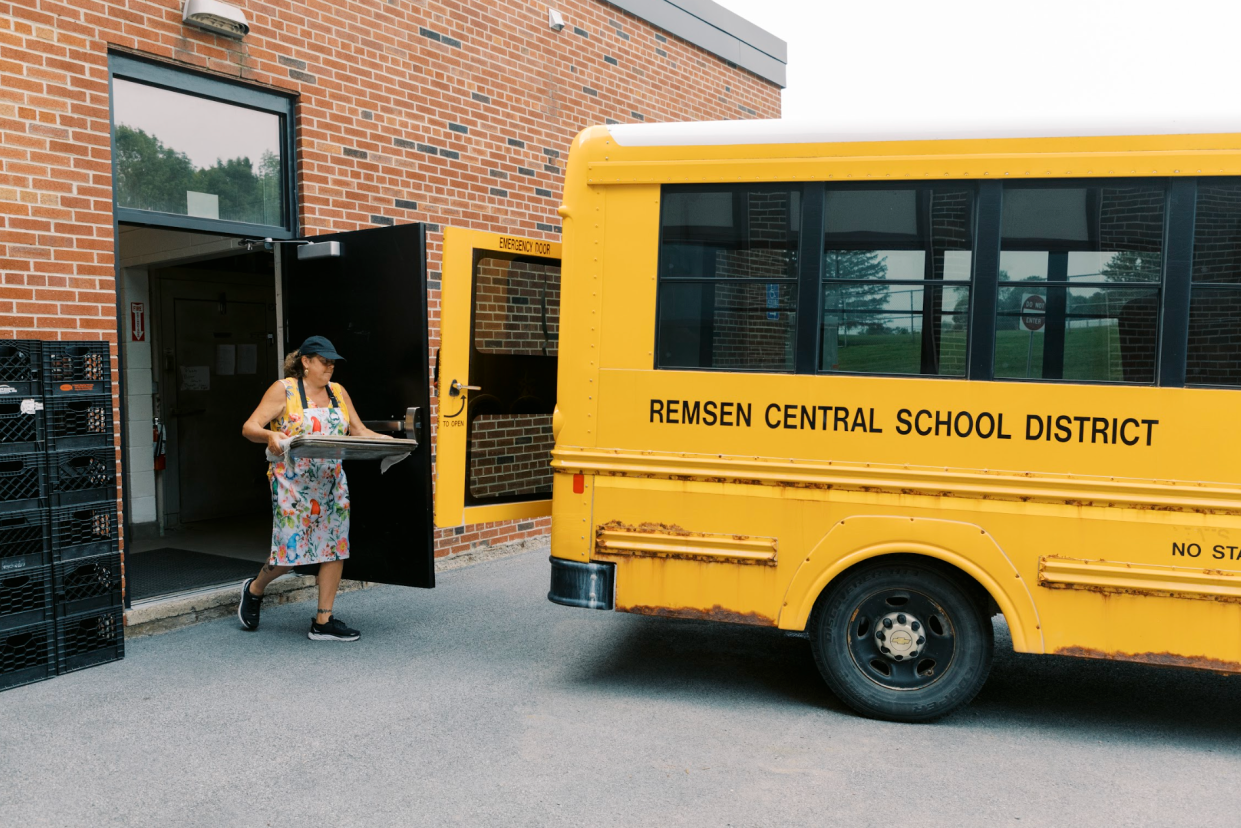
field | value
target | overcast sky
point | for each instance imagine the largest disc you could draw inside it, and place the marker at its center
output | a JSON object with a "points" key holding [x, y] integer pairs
{"points": [[1032, 59]]}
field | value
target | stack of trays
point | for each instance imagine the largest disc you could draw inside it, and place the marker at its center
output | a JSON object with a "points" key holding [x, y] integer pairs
{"points": [[60, 565]]}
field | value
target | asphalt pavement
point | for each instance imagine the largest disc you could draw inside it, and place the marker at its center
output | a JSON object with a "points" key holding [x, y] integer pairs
{"points": [[479, 703]]}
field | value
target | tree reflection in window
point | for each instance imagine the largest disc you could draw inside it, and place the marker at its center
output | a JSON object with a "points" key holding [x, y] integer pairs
{"points": [[190, 156], [152, 176]]}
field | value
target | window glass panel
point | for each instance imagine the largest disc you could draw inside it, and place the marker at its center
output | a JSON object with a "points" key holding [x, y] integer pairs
{"points": [[192, 156], [1214, 336], [1108, 333], [738, 326], [879, 314], [1058, 213], [861, 214], [1217, 233], [1080, 266], [516, 307], [728, 277], [730, 233], [1074, 250], [879, 328], [1214, 347], [951, 265]]}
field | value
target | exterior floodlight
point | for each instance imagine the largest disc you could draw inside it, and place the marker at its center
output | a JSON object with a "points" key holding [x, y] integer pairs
{"points": [[216, 17], [554, 21]]}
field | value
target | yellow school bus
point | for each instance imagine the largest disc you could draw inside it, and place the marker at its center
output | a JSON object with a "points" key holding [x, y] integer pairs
{"points": [[879, 388]]}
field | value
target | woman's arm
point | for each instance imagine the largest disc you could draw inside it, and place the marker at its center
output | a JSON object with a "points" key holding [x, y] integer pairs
{"points": [[256, 428], [356, 429]]}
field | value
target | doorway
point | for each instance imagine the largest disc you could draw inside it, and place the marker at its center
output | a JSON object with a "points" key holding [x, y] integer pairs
{"points": [[221, 317], [212, 349]]}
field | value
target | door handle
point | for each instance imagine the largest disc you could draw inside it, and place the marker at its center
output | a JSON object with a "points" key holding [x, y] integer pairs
{"points": [[456, 388], [410, 427]]}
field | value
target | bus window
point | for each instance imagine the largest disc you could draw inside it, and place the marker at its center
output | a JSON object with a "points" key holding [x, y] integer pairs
{"points": [[1214, 353], [1080, 271], [728, 278], [896, 281]]}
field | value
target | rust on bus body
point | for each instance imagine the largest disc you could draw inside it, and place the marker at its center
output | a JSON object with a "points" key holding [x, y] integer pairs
{"points": [[648, 527], [604, 547], [715, 613], [1160, 659]]}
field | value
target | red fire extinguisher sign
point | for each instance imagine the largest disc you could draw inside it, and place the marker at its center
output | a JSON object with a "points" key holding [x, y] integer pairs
{"points": [[138, 321]]}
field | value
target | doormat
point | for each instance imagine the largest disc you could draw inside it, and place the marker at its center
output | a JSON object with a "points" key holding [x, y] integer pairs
{"points": [[167, 571]]}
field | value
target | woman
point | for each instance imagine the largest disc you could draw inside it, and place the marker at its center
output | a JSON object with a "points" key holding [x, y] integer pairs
{"points": [[310, 498]]}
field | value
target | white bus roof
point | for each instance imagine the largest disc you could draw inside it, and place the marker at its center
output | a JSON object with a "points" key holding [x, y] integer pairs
{"points": [[725, 133]]}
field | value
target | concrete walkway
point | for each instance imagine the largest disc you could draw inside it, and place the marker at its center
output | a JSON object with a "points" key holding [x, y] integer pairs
{"points": [[479, 703]]}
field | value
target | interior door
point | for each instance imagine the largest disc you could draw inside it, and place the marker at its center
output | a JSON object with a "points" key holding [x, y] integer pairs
{"points": [[215, 389], [371, 302], [500, 324]]}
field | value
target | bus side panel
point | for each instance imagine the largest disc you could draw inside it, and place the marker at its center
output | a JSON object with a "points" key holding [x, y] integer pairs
{"points": [[698, 543], [1133, 585], [631, 258]]}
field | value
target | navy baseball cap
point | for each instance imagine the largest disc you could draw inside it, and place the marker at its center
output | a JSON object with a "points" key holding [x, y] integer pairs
{"points": [[319, 346]]}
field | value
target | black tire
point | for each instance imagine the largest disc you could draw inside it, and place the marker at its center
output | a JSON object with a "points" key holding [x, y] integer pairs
{"points": [[952, 656]]}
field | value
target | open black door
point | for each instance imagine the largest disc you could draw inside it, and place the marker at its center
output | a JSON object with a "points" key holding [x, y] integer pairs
{"points": [[370, 300]]}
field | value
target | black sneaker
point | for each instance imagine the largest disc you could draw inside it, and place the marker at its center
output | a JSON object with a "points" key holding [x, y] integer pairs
{"points": [[333, 630], [249, 608]]}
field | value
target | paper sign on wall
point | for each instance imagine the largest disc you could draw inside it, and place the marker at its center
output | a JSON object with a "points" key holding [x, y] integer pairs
{"points": [[225, 360], [195, 377], [247, 359]]}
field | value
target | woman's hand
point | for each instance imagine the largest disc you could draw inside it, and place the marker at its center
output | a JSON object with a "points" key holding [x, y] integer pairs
{"points": [[273, 443]]}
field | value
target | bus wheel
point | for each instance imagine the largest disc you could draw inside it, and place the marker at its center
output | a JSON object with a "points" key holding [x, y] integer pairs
{"points": [[901, 641]]}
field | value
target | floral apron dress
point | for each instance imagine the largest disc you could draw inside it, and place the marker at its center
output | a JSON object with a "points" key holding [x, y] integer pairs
{"points": [[310, 498]]}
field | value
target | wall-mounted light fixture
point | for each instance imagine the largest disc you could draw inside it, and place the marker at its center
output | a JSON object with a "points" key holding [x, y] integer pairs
{"points": [[554, 21], [216, 17]]}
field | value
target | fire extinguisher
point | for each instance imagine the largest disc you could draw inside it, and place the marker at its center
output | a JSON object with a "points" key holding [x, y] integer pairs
{"points": [[159, 437]]}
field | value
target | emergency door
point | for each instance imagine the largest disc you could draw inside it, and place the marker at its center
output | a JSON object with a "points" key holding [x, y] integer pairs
{"points": [[370, 300], [496, 371]]}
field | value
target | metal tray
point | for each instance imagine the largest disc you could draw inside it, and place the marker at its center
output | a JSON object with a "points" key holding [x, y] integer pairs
{"points": [[347, 448]]}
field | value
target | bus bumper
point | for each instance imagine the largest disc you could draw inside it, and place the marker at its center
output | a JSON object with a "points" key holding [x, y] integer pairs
{"points": [[586, 585]]}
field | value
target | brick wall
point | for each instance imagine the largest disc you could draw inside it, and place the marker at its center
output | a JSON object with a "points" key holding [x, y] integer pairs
{"points": [[509, 454], [410, 110], [516, 308]]}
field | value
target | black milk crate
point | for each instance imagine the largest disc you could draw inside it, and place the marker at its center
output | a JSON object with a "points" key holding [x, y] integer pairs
{"points": [[20, 363], [26, 597], [80, 476], [88, 584], [77, 422], [90, 638], [24, 540], [76, 368], [22, 482], [84, 531], [21, 425], [27, 654]]}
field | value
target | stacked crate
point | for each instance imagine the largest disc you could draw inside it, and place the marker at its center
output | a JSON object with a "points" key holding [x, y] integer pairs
{"points": [[60, 566]]}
